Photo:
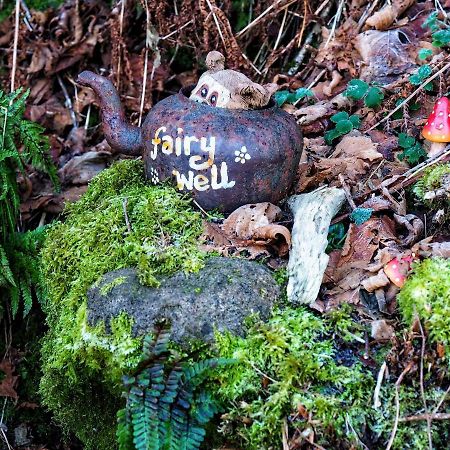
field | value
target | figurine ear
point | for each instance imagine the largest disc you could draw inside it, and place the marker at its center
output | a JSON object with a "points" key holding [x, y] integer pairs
{"points": [[254, 95], [215, 61]]}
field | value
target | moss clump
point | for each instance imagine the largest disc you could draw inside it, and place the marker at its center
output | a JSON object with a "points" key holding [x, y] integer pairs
{"points": [[292, 373], [288, 363], [435, 178], [82, 365], [427, 294]]}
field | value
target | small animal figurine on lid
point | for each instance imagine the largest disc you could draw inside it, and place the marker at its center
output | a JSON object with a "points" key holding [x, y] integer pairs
{"points": [[224, 141], [227, 88]]}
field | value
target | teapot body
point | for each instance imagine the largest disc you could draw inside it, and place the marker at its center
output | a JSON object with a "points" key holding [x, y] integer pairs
{"points": [[224, 158]]}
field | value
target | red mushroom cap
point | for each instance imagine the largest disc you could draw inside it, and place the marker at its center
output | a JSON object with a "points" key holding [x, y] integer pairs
{"points": [[437, 128], [395, 272], [397, 269]]}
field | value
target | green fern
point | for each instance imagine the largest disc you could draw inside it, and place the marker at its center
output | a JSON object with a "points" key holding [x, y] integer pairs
{"points": [[165, 406], [21, 143]]}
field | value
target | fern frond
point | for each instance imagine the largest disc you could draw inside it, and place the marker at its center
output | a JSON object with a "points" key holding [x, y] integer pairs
{"points": [[21, 142], [167, 410], [124, 431]]}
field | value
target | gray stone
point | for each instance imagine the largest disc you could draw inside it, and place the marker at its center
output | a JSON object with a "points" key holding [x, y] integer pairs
{"points": [[220, 296]]}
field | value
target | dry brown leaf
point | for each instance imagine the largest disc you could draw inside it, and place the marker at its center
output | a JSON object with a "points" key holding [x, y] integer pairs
{"points": [[9, 381], [386, 54], [360, 147], [81, 169], [248, 229], [242, 222], [373, 283], [386, 16]]}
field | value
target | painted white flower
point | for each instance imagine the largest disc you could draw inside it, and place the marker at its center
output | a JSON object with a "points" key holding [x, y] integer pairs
{"points": [[154, 176], [241, 155]]}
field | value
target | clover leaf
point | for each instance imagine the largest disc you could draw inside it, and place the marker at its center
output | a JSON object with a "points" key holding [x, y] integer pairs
{"points": [[356, 89]]}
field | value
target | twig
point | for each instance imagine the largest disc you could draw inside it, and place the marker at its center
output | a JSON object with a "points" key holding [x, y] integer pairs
{"points": [[125, 213], [319, 9], [69, 104], [16, 43], [376, 393], [255, 21], [302, 30], [216, 20], [202, 210], [280, 32], [397, 404], [176, 31], [284, 434], [335, 22], [428, 80], [119, 57], [429, 162], [422, 389], [366, 14], [347, 192], [434, 416], [441, 400], [144, 75]]}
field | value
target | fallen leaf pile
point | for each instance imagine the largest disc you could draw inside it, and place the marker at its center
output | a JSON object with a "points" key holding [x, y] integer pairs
{"points": [[250, 229]]}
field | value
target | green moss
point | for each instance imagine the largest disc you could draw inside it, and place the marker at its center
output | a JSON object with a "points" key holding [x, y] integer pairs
{"points": [[427, 294], [108, 287], [433, 179], [298, 366], [93, 240], [291, 372]]}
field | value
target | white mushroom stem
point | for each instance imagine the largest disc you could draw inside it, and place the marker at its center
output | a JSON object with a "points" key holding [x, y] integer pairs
{"points": [[307, 259], [436, 148]]}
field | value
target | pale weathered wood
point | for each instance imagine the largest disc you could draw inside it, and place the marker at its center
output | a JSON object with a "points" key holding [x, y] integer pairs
{"points": [[307, 259]]}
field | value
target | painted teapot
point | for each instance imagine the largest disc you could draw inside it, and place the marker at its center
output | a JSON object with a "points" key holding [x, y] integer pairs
{"points": [[224, 157]]}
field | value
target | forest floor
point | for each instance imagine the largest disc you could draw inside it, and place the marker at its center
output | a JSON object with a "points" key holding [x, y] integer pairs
{"points": [[360, 77]]}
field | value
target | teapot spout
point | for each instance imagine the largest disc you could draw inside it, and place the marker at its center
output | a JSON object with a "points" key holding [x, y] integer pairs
{"points": [[121, 136]]}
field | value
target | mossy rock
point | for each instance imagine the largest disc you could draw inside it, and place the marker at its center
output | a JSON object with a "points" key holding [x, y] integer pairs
{"points": [[219, 297], [82, 364]]}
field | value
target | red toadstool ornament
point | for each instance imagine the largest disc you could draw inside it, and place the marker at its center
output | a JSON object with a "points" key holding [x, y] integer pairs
{"points": [[437, 128], [397, 269]]}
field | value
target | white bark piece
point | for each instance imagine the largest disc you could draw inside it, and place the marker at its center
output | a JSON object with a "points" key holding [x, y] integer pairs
{"points": [[307, 259]]}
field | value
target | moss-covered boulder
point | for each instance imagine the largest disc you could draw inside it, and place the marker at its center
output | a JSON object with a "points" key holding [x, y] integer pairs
{"points": [[120, 222], [219, 297]]}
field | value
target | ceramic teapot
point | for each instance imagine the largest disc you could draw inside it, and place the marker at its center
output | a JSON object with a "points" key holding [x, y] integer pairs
{"points": [[224, 157]]}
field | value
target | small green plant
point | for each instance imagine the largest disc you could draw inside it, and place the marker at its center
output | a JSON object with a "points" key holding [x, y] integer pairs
{"points": [[336, 237], [165, 405], [424, 53], [413, 106], [359, 89], [361, 215], [21, 142], [412, 152], [440, 30], [282, 97], [422, 73], [344, 124]]}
